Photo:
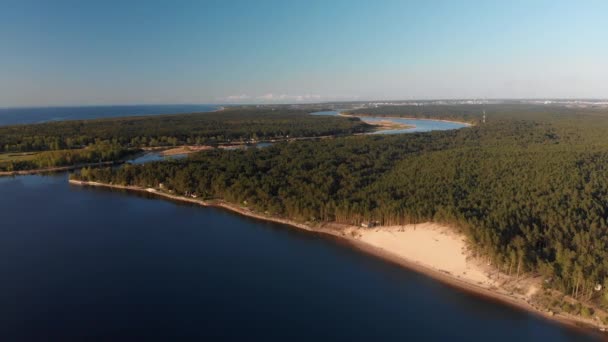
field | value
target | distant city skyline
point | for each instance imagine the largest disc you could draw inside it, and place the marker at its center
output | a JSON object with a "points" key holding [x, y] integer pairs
{"points": [[69, 53]]}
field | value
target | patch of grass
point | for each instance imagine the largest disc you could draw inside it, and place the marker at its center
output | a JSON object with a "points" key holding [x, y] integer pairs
{"points": [[586, 311]]}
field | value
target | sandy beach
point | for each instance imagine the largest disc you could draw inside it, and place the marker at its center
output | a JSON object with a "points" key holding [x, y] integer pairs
{"points": [[186, 149], [430, 245], [438, 251], [388, 125]]}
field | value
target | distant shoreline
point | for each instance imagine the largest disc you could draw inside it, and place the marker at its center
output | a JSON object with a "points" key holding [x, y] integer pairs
{"points": [[341, 232]]}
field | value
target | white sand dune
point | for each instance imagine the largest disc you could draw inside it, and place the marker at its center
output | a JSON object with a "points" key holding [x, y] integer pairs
{"points": [[430, 245]]}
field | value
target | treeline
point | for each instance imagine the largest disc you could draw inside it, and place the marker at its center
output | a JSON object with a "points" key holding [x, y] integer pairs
{"points": [[169, 130], [530, 191], [98, 152]]}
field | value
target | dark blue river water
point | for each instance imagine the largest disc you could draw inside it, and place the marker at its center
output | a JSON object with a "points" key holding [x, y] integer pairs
{"points": [[13, 116], [91, 264]]}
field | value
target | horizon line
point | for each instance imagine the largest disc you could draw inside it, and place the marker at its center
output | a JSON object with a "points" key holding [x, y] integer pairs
{"points": [[312, 103]]}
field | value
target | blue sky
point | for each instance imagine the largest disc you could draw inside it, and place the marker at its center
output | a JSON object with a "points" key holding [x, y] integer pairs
{"points": [[134, 52]]}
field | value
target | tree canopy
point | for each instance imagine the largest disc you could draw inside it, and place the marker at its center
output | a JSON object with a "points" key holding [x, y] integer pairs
{"points": [[231, 125]]}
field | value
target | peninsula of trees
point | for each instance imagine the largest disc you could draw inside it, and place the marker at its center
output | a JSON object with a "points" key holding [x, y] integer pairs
{"points": [[62, 143]]}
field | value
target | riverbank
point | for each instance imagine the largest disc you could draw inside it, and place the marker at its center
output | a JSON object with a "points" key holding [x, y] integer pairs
{"points": [[437, 251], [186, 149], [383, 125]]}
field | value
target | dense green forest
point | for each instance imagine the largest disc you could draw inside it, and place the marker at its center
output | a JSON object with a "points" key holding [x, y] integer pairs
{"points": [[71, 142], [231, 125], [529, 187]]}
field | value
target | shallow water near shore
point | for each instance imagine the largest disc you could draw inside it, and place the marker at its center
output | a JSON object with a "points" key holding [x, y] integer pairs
{"points": [[15, 116], [80, 262]]}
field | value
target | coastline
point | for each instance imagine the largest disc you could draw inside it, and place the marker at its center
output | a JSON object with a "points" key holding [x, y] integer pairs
{"points": [[344, 233]]}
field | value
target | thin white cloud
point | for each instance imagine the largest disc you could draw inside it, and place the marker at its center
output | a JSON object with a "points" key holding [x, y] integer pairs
{"points": [[285, 98], [236, 98], [266, 97]]}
